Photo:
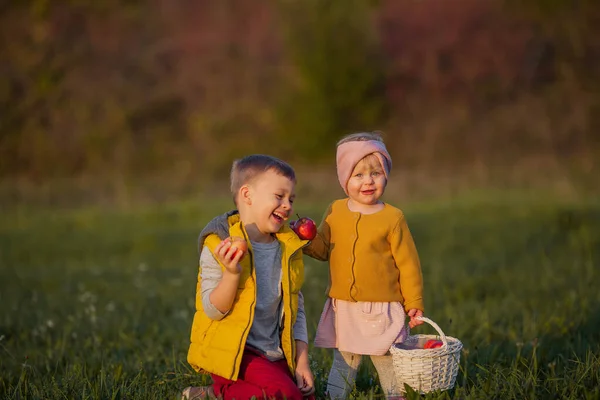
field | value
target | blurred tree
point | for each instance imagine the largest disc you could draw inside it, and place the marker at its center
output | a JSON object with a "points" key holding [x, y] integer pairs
{"points": [[566, 43], [565, 53], [132, 86], [334, 84]]}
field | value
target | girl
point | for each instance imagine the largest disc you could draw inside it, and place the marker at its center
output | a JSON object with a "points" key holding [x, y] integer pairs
{"points": [[374, 269]]}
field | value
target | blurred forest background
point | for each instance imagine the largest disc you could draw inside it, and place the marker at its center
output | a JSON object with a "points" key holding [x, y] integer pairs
{"points": [[119, 121], [104, 97]]}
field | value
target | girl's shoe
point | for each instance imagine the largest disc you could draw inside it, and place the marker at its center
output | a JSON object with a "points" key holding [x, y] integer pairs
{"points": [[198, 393]]}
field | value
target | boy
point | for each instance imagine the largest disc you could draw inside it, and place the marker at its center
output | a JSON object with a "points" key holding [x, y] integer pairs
{"points": [[249, 330]]}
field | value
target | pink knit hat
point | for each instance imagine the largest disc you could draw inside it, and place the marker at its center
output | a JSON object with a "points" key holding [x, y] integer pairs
{"points": [[350, 153]]}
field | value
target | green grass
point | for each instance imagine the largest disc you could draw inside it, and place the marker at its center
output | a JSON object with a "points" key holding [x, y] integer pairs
{"points": [[97, 303]]}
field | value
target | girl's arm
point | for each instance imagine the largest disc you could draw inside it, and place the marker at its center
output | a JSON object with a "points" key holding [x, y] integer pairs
{"points": [[318, 248], [407, 260]]}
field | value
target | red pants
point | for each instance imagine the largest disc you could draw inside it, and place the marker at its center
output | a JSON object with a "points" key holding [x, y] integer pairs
{"points": [[259, 377]]}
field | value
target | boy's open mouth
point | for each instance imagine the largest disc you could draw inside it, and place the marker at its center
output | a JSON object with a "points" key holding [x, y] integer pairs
{"points": [[279, 217], [368, 192]]}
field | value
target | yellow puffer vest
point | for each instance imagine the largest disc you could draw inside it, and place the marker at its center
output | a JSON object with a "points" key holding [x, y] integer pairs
{"points": [[217, 346]]}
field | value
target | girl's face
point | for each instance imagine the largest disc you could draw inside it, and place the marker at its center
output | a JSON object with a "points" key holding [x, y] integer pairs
{"points": [[367, 181]]}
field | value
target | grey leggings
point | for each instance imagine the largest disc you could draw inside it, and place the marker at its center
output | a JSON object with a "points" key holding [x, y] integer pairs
{"points": [[343, 374]]}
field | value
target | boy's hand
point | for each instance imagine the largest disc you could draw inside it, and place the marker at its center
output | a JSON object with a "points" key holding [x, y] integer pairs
{"points": [[305, 379], [229, 256], [413, 313]]}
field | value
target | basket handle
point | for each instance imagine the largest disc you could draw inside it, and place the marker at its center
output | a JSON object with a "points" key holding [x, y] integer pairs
{"points": [[436, 327]]}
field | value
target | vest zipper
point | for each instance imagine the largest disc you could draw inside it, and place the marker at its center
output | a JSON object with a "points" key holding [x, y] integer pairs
{"points": [[292, 341], [241, 348]]}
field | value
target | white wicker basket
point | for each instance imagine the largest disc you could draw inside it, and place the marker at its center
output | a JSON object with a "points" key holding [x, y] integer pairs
{"points": [[426, 370]]}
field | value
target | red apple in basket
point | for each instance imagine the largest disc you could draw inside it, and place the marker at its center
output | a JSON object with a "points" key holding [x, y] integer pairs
{"points": [[305, 228], [433, 344], [240, 244]]}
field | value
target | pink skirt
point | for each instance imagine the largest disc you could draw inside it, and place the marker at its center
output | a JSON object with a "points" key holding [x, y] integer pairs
{"points": [[368, 328]]}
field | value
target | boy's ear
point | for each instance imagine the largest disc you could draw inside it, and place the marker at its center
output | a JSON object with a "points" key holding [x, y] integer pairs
{"points": [[245, 195]]}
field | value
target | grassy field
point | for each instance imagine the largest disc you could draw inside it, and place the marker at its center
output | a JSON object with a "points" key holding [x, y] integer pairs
{"points": [[96, 303]]}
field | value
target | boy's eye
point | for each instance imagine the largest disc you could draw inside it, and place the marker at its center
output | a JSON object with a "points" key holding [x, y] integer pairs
{"points": [[279, 196], [358, 175]]}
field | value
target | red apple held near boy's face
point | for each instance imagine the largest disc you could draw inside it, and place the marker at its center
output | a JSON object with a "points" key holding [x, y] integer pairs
{"points": [[433, 344], [305, 228], [240, 244]]}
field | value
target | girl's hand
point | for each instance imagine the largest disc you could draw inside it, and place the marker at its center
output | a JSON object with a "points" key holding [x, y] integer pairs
{"points": [[413, 313], [229, 256]]}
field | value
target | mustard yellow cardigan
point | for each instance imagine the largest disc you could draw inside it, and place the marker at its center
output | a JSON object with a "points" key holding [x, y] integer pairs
{"points": [[372, 257]]}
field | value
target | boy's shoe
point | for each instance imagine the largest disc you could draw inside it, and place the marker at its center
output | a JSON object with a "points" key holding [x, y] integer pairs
{"points": [[197, 393]]}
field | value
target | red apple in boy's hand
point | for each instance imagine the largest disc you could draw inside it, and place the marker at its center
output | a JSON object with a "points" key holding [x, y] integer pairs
{"points": [[240, 244], [433, 344], [305, 228]]}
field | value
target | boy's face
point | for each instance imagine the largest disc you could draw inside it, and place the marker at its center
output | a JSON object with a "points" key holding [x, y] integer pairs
{"points": [[367, 182], [267, 202]]}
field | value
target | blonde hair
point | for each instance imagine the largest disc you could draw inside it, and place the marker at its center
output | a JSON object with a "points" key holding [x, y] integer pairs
{"points": [[247, 169], [370, 159]]}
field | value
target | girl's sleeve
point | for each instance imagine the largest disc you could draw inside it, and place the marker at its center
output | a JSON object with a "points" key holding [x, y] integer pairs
{"points": [[406, 257], [319, 247], [210, 274], [300, 329]]}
